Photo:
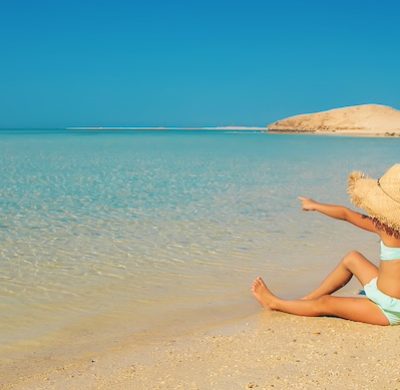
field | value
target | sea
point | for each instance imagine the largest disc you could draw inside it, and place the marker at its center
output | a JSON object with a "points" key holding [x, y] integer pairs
{"points": [[139, 232]]}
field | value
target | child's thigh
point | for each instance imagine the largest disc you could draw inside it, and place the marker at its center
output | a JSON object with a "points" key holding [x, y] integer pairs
{"points": [[354, 309]]}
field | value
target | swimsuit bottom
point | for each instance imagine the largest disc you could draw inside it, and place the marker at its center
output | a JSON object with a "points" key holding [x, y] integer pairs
{"points": [[390, 306]]}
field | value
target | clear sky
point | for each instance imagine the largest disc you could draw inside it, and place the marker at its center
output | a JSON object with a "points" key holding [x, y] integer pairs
{"points": [[209, 62]]}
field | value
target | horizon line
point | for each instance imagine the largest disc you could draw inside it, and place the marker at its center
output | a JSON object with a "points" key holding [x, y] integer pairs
{"points": [[166, 128], [134, 128]]}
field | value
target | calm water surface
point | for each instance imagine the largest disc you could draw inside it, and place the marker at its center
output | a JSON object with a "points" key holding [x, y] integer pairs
{"points": [[143, 229]]}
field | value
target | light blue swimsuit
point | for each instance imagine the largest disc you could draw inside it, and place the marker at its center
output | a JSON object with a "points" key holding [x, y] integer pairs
{"points": [[390, 306]]}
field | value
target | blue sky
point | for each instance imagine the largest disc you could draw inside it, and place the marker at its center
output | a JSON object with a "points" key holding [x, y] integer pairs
{"points": [[86, 63]]}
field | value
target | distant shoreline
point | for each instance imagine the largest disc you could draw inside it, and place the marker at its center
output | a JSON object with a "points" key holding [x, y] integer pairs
{"points": [[339, 133], [218, 128]]}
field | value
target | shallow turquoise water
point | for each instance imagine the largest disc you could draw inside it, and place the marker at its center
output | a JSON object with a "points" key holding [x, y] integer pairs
{"points": [[104, 223]]}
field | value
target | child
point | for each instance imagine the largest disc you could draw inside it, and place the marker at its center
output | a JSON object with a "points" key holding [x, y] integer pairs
{"points": [[381, 306]]}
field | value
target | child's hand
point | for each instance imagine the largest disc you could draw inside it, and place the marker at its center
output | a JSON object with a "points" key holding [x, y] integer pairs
{"points": [[308, 204]]}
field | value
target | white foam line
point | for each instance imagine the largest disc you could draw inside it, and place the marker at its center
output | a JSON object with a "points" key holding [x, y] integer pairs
{"points": [[165, 128]]}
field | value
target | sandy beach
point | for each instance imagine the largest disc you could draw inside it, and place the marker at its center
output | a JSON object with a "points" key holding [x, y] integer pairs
{"points": [[264, 351]]}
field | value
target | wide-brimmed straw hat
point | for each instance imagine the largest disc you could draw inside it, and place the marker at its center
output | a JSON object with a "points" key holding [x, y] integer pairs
{"points": [[379, 198]]}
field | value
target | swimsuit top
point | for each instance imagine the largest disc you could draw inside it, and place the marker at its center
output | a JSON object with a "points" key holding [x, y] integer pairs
{"points": [[389, 253]]}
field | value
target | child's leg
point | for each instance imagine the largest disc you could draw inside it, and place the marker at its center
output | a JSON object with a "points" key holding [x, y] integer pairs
{"points": [[354, 263], [355, 309]]}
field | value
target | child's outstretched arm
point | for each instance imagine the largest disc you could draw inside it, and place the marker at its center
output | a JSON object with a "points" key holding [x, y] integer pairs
{"points": [[339, 212]]}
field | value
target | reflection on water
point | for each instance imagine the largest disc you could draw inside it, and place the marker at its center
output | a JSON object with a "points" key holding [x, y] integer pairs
{"points": [[105, 224]]}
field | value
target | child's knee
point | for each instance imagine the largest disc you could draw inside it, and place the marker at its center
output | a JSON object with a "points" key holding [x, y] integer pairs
{"points": [[352, 257]]}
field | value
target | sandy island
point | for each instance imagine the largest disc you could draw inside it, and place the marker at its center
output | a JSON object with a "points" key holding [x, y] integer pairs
{"points": [[367, 120], [269, 350]]}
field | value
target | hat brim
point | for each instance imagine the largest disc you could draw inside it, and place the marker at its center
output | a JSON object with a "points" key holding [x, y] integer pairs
{"points": [[366, 194]]}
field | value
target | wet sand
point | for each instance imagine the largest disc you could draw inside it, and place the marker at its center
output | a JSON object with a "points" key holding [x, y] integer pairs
{"points": [[263, 351]]}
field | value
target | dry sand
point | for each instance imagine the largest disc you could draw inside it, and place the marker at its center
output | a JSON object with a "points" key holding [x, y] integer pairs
{"points": [[363, 120], [266, 351]]}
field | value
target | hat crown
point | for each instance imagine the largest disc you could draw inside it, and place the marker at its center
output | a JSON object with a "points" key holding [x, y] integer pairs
{"points": [[390, 182]]}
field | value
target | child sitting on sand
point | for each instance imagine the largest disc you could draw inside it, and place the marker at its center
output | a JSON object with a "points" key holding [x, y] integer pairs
{"points": [[381, 306]]}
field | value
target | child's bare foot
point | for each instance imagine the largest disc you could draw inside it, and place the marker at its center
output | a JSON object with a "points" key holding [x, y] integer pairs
{"points": [[263, 294]]}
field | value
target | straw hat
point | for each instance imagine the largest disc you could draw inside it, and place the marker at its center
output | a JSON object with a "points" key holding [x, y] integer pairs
{"points": [[379, 198]]}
